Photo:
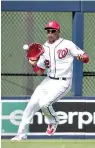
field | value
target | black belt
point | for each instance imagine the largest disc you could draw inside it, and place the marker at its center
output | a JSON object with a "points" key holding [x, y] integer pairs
{"points": [[58, 78]]}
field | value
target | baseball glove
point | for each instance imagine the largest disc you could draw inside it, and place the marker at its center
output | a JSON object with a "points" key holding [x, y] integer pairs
{"points": [[34, 51]]}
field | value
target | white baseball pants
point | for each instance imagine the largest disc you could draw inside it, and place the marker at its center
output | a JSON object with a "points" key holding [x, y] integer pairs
{"points": [[48, 92]]}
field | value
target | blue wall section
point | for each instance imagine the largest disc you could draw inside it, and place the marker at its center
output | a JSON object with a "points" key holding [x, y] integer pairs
{"points": [[52, 6], [28, 97], [78, 24], [82, 6], [88, 6]]}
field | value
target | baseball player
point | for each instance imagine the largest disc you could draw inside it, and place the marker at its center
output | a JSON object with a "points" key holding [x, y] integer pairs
{"points": [[57, 59]]}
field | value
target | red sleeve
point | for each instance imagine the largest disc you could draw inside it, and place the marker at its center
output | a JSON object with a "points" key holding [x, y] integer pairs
{"points": [[37, 68], [85, 58]]}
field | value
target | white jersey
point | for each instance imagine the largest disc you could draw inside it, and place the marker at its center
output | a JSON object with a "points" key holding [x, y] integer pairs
{"points": [[58, 58]]}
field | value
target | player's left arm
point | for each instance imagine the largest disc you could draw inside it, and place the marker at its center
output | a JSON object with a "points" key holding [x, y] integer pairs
{"points": [[83, 58], [78, 53], [38, 70]]}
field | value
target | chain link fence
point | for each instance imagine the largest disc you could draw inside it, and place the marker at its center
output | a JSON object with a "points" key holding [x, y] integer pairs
{"points": [[17, 29], [89, 47]]}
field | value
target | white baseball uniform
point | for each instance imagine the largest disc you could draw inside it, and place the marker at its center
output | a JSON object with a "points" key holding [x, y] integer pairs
{"points": [[58, 61]]}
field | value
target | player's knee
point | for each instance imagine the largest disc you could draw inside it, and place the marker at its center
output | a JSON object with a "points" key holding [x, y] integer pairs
{"points": [[43, 104]]}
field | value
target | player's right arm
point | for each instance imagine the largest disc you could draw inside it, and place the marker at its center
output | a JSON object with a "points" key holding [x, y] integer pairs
{"points": [[38, 66]]}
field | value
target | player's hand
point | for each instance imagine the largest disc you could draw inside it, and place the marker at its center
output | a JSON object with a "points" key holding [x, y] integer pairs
{"points": [[83, 58], [33, 63], [80, 57]]}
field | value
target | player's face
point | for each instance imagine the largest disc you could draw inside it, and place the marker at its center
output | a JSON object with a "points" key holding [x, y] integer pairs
{"points": [[53, 35]]}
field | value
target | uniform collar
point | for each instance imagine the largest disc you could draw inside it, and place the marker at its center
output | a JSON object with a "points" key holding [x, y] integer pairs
{"points": [[55, 43]]}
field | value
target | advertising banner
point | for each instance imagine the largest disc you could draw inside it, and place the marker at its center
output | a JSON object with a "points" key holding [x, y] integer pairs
{"points": [[12, 111], [76, 117]]}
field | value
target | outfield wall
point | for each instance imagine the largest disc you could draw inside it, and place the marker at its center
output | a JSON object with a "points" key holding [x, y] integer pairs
{"points": [[77, 118]]}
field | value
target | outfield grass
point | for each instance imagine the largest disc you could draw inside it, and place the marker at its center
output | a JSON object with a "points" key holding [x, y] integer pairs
{"points": [[49, 144]]}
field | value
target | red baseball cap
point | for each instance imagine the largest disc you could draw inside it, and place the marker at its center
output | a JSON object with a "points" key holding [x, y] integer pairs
{"points": [[52, 25]]}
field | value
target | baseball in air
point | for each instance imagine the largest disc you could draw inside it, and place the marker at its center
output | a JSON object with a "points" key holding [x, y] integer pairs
{"points": [[25, 47]]}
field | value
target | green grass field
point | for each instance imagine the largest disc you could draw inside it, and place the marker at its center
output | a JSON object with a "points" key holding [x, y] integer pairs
{"points": [[49, 144]]}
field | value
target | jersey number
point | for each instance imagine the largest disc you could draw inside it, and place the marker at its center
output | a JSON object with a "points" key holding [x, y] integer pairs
{"points": [[62, 53], [47, 63]]}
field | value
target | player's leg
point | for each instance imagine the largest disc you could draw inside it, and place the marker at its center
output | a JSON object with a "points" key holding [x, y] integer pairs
{"points": [[61, 88], [55, 90], [31, 108], [51, 117]]}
